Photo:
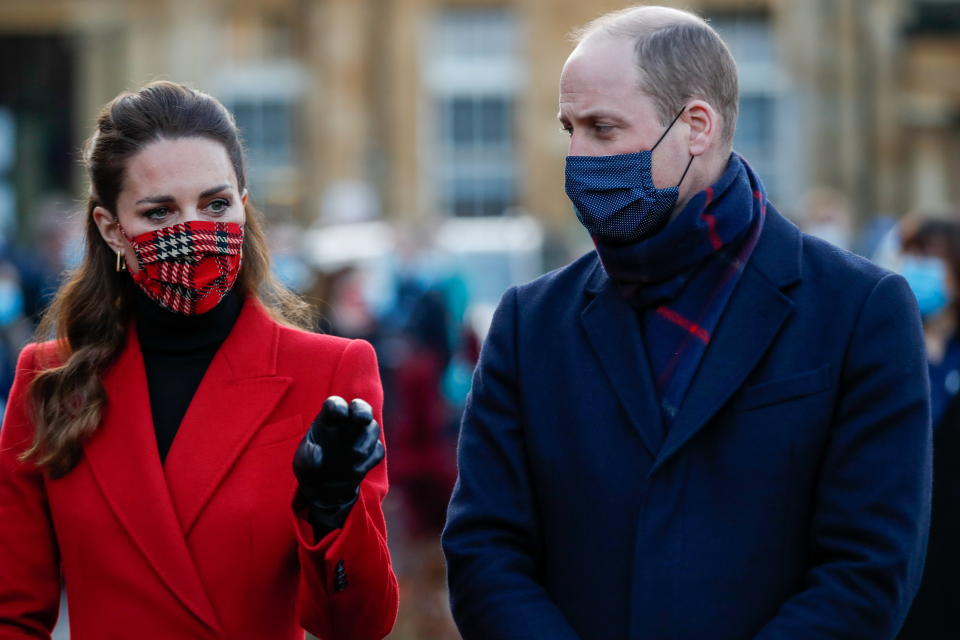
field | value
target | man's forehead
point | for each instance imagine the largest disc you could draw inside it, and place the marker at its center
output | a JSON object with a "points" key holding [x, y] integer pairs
{"points": [[600, 61], [599, 73], [603, 46]]}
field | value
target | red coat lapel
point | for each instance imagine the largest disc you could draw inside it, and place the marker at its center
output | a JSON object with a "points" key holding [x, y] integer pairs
{"points": [[125, 463], [238, 392]]}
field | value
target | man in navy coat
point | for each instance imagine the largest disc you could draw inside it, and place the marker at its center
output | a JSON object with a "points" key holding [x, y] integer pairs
{"points": [[713, 427]]}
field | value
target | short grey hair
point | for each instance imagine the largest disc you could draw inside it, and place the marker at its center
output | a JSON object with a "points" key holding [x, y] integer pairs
{"points": [[679, 58]]}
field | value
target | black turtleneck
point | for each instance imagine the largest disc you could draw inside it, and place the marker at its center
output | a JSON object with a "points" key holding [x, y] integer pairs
{"points": [[177, 350]]}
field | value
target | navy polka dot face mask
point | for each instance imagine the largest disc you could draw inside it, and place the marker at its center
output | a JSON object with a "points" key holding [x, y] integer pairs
{"points": [[614, 196]]}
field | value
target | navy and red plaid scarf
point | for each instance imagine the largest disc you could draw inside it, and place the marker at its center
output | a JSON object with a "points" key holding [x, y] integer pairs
{"points": [[681, 278]]}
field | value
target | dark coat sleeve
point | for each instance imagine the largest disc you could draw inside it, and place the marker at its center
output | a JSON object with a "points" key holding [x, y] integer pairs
{"points": [[934, 614], [492, 532], [871, 510]]}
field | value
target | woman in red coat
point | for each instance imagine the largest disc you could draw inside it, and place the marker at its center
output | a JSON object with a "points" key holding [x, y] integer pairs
{"points": [[169, 459]]}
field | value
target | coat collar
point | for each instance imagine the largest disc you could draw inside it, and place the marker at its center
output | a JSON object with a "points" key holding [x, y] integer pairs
{"points": [[614, 333], [160, 505], [753, 317], [237, 393]]}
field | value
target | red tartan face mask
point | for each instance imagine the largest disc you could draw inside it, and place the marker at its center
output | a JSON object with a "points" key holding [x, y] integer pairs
{"points": [[188, 268]]}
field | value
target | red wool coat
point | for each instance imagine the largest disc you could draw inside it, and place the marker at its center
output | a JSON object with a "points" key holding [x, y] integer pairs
{"points": [[206, 546]]}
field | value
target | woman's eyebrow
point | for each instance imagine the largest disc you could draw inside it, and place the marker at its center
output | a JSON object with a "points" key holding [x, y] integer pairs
{"points": [[210, 192], [166, 198], [156, 200]]}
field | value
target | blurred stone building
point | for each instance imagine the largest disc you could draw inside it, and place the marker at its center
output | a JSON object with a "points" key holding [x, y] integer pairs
{"points": [[418, 109]]}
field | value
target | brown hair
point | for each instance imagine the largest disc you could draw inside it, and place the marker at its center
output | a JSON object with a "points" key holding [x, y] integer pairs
{"points": [[679, 57], [89, 315]]}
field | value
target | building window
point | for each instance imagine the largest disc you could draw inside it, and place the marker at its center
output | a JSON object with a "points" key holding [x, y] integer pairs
{"points": [[756, 123], [933, 17], [264, 101], [767, 135], [267, 129], [476, 144], [473, 78]]}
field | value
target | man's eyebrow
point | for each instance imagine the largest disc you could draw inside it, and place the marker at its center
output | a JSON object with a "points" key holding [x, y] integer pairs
{"points": [[600, 113], [592, 114]]}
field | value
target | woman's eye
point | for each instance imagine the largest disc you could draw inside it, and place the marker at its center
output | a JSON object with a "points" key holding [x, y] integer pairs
{"points": [[219, 205], [159, 213]]}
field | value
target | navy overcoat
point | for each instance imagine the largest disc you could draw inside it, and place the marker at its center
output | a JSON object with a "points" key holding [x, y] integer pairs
{"points": [[790, 499]]}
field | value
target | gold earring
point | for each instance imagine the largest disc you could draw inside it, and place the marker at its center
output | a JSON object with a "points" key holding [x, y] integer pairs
{"points": [[121, 263]]}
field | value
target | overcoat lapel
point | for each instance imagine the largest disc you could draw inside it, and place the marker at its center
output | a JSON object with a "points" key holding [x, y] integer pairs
{"points": [[614, 333], [753, 318], [751, 321], [237, 393], [124, 461]]}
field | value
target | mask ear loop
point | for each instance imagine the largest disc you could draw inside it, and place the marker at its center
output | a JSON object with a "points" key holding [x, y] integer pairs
{"points": [[690, 162], [664, 135], [669, 126]]}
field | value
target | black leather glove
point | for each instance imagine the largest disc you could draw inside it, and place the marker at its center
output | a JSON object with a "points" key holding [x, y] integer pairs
{"points": [[341, 446]]}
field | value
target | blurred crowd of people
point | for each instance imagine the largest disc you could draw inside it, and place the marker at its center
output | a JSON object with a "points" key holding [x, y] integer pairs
{"points": [[29, 274]]}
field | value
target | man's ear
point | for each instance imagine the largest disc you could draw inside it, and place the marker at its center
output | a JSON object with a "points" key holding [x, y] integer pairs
{"points": [[704, 123]]}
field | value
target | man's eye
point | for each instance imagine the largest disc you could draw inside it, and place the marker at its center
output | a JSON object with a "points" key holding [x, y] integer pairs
{"points": [[219, 205], [603, 129], [567, 130]]}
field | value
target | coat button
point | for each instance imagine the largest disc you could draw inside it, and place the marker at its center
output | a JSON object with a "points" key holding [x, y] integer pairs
{"points": [[340, 581]]}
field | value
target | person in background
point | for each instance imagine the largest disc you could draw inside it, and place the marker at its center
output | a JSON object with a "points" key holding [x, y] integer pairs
{"points": [[828, 217], [180, 456], [15, 328], [930, 262]]}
